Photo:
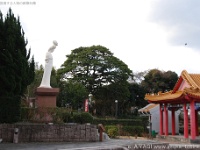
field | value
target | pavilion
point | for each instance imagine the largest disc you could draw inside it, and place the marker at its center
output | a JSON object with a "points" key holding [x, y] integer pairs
{"points": [[185, 95]]}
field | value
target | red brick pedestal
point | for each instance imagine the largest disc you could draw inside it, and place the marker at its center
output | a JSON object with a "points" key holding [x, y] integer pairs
{"points": [[45, 103], [46, 97]]}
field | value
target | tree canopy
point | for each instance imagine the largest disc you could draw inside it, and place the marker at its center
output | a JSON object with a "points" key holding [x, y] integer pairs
{"points": [[94, 67], [156, 80], [72, 94], [16, 68]]}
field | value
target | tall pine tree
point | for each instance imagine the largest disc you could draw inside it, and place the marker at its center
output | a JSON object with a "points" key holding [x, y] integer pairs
{"points": [[16, 71]]}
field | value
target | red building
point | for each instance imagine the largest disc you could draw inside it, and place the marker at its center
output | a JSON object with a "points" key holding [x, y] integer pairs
{"points": [[186, 95]]}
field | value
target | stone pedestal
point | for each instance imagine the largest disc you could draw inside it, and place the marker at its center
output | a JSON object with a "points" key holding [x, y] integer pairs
{"points": [[46, 97], [45, 104]]}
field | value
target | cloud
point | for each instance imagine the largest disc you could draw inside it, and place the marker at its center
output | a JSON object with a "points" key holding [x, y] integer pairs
{"points": [[145, 34], [180, 18]]}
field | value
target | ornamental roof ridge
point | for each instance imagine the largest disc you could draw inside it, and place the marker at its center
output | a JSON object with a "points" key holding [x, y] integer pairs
{"points": [[182, 91], [192, 79]]}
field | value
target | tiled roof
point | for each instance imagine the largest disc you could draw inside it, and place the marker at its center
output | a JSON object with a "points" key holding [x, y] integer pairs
{"points": [[192, 79], [147, 108], [193, 91], [165, 96]]}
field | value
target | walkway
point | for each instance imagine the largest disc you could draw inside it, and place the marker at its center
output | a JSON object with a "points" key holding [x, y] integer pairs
{"points": [[113, 144], [117, 144]]}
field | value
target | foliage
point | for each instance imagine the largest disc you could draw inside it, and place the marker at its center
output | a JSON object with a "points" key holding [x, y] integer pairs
{"points": [[94, 67], [27, 114], [83, 117], [124, 122], [16, 70], [133, 130], [112, 131], [102, 74], [59, 115], [116, 130], [67, 117], [139, 76], [156, 80], [105, 98], [137, 95], [71, 93]]}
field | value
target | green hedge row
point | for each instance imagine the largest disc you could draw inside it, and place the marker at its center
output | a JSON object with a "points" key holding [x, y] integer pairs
{"points": [[124, 122], [114, 130], [59, 115], [133, 130]]}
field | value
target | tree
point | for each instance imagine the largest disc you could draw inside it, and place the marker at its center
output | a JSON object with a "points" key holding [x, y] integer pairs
{"points": [[106, 96], [16, 71], [156, 80], [102, 74], [72, 93], [138, 77], [137, 93], [94, 67]]}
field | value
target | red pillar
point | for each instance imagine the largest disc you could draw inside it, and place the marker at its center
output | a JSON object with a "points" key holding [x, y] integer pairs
{"points": [[197, 130], [173, 122], [185, 121], [166, 119], [193, 127], [161, 120]]}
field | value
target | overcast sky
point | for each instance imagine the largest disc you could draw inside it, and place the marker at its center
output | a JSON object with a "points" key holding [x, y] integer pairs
{"points": [[145, 34]]}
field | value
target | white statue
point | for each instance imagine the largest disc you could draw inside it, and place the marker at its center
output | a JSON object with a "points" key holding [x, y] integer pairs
{"points": [[48, 66]]}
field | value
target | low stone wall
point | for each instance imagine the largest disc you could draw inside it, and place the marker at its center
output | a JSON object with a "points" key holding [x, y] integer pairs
{"points": [[49, 133]]}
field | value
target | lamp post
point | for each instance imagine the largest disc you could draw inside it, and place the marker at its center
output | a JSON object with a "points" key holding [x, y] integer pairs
{"points": [[116, 108]]}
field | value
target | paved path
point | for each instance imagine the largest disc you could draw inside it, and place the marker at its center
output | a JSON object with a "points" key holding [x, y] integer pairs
{"points": [[110, 144]]}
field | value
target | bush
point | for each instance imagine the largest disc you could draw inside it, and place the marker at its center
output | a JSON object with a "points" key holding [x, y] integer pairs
{"points": [[133, 130], [76, 117], [86, 117], [27, 113], [67, 117], [82, 118], [59, 115], [124, 122], [112, 131]]}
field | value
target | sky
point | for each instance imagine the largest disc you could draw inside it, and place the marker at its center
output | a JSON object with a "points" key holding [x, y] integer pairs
{"points": [[144, 34]]}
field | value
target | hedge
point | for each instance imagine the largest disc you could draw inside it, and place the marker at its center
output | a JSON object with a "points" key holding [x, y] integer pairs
{"points": [[112, 131], [117, 130], [59, 115], [124, 122], [83, 117], [133, 130]]}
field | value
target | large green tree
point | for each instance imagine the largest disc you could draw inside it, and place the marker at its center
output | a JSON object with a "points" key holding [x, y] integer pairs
{"points": [[94, 67], [16, 68], [156, 80], [102, 74]]}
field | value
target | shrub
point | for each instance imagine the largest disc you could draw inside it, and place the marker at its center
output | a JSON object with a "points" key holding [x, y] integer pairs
{"points": [[112, 131], [76, 117], [124, 122], [86, 117], [133, 130], [67, 117], [27, 113], [82, 117]]}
